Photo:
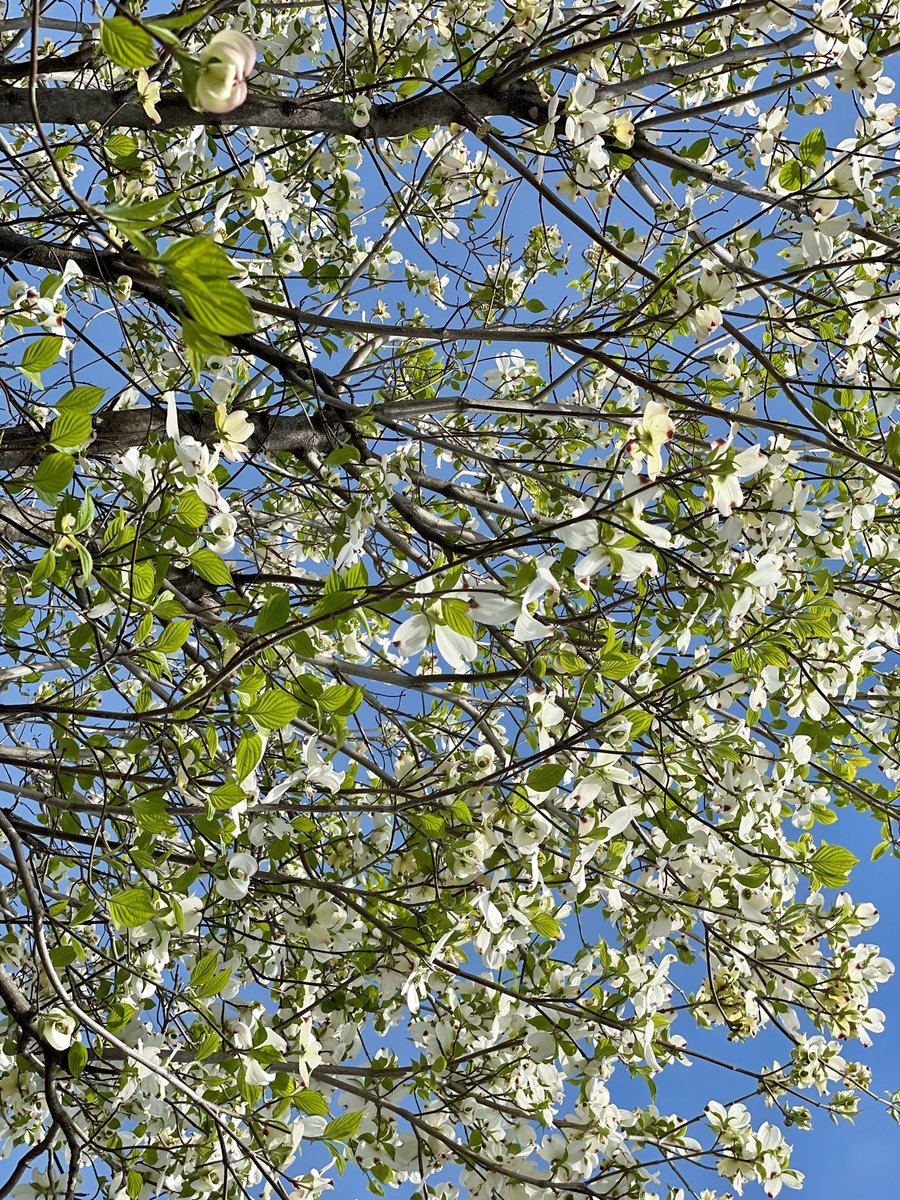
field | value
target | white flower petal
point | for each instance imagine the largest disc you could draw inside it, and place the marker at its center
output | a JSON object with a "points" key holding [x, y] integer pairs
{"points": [[490, 608], [412, 636], [457, 648]]}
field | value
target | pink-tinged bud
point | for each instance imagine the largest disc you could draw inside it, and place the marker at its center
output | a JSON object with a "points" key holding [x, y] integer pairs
{"points": [[225, 65]]}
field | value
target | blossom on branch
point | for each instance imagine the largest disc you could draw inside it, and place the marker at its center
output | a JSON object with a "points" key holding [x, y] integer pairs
{"points": [[225, 66], [653, 431]]}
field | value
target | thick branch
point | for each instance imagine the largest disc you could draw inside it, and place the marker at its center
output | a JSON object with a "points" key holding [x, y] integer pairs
{"points": [[71, 106], [116, 432], [25, 524]]}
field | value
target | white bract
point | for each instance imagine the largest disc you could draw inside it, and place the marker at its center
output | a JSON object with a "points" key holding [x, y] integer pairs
{"points": [[654, 430], [235, 429], [57, 1028], [727, 471]]}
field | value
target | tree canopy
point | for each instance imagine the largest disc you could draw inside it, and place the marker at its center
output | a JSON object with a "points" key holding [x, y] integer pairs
{"points": [[450, 541]]}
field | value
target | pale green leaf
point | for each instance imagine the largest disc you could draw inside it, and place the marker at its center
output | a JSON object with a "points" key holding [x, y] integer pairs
{"points": [[125, 43], [132, 907]]}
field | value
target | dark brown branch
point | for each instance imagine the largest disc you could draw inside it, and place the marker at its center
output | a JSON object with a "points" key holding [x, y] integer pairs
{"points": [[49, 66]]}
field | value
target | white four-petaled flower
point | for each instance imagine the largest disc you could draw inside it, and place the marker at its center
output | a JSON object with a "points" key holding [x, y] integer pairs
{"points": [[653, 431], [235, 430], [57, 1028]]}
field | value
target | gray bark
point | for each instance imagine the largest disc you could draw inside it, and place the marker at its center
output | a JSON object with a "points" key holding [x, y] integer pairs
{"points": [[79, 106], [115, 432]]}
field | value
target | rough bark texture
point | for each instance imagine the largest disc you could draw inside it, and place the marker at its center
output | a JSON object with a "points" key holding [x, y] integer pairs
{"points": [[79, 106], [114, 432]]}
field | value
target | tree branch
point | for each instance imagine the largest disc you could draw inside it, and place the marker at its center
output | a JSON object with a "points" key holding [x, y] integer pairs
{"points": [[116, 432], [105, 266], [521, 101]]}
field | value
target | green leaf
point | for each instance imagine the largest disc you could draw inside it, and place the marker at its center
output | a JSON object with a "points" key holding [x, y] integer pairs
{"points": [[63, 956], [831, 865], [755, 877], [191, 510], [570, 663], [618, 665], [151, 814], [143, 581], [139, 212], [85, 398], [455, 615], [432, 825], [71, 429], [86, 562], [119, 1015], [144, 245], [216, 985], [354, 579], [545, 777], [697, 149], [640, 723], [812, 148], [892, 445], [54, 474], [208, 1044], [201, 345], [217, 305], [173, 637], [333, 602], [342, 455], [134, 1184], [203, 970], [791, 177], [547, 926], [132, 907], [84, 518], [462, 812], [200, 269], [211, 567], [227, 796], [181, 20], [274, 709], [39, 355], [43, 568], [312, 1103], [77, 1058], [343, 1126], [249, 752], [125, 43], [121, 145], [200, 255], [341, 698], [275, 613]]}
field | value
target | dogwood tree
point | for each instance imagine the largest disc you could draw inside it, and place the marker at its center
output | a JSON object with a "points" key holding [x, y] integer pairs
{"points": [[450, 543]]}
